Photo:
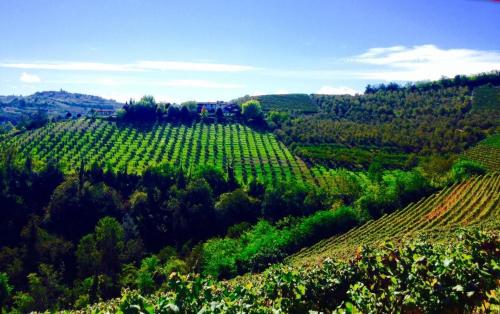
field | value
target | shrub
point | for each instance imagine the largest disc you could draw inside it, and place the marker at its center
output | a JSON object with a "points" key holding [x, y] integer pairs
{"points": [[464, 169]]}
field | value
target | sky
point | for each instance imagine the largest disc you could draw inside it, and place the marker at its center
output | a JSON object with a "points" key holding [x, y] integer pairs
{"points": [[209, 50]]}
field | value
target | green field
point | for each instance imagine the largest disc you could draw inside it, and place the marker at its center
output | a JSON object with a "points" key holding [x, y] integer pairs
{"points": [[475, 201], [486, 152], [124, 148]]}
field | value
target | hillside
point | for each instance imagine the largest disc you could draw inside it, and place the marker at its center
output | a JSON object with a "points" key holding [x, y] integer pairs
{"points": [[54, 103], [486, 153], [475, 201], [441, 117], [296, 103], [132, 149]]}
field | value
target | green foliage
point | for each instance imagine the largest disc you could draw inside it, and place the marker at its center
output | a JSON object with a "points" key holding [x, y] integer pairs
{"points": [[276, 118], [465, 169], [251, 110], [5, 290], [416, 276], [284, 199], [236, 206], [486, 96], [145, 109], [264, 243], [101, 254], [190, 105], [76, 205], [440, 119], [355, 158], [293, 103], [146, 275]]}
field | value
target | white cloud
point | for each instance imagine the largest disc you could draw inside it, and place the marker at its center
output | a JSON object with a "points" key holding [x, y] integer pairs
{"points": [[200, 84], [191, 66], [425, 62], [131, 67], [330, 90], [29, 78]]}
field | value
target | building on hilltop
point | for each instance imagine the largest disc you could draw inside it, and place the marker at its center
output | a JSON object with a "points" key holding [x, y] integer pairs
{"points": [[228, 108]]}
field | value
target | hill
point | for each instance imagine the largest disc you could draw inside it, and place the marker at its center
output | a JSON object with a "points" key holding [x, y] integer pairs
{"points": [[54, 103], [475, 201], [129, 149], [486, 152], [435, 118]]}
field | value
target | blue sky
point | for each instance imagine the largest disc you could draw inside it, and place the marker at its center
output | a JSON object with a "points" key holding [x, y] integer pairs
{"points": [[213, 49]]}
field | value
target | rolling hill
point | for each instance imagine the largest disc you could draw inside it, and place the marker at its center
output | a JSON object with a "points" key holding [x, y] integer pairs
{"points": [[54, 103], [475, 201], [124, 148]]}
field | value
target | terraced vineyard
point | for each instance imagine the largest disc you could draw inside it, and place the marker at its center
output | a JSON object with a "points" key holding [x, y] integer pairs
{"points": [[128, 149], [476, 201], [486, 152]]}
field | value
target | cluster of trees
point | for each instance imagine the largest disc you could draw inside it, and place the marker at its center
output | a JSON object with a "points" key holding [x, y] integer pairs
{"points": [[74, 239], [147, 109], [471, 82]]}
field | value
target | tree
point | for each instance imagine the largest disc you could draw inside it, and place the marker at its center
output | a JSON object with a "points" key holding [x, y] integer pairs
{"points": [[100, 255], [251, 110], [191, 106], [76, 205], [219, 114], [109, 241], [184, 114], [5, 290], [234, 207], [172, 113], [144, 109]]}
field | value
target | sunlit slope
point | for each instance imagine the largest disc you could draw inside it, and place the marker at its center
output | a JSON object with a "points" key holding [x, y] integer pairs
{"points": [[475, 201], [486, 152], [125, 148]]}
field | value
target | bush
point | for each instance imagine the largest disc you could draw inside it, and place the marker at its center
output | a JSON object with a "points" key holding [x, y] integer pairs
{"points": [[464, 169], [252, 111]]}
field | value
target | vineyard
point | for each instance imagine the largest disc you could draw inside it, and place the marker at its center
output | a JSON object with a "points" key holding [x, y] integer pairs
{"points": [[288, 102], [475, 201], [486, 152], [132, 150]]}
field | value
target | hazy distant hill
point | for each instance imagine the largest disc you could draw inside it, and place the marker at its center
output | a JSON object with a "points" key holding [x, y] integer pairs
{"points": [[54, 103]]}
